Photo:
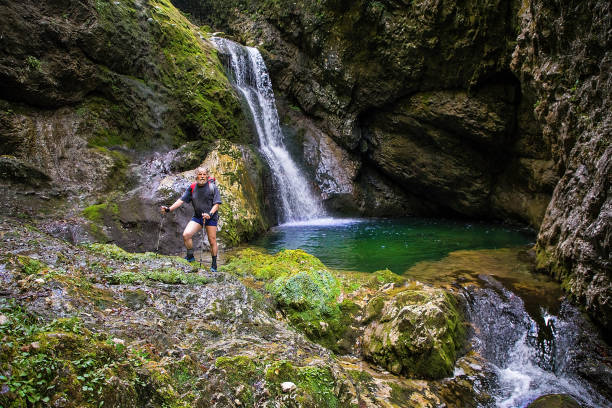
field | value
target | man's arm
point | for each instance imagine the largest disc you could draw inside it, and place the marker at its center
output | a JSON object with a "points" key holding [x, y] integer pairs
{"points": [[173, 207], [211, 212]]}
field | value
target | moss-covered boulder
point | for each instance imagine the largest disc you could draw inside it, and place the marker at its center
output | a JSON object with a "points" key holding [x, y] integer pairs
{"points": [[304, 290], [554, 401], [417, 332], [240, 177]]}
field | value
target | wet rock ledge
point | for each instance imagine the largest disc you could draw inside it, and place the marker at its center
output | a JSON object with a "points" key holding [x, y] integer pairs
{"points": [[81, 324]]}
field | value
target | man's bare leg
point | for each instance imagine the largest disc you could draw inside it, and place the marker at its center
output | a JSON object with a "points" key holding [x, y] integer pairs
{"points": [[211, 233], [190, 230]]}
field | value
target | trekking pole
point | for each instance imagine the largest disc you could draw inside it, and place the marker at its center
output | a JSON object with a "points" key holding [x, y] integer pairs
{"points": [[161, 225]]}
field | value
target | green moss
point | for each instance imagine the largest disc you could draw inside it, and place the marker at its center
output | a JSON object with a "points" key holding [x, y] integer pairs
{"points": [[97, 212], [315, 384], [240, 371], [30, 266], [374, 308], [400, 394], [209, 108], [361, 376], [114, 252], [165, 274], [172, 275], [549, 264], [304, 289], [431, 332], [318, 385], [385, 276], [263, 266], [125, 278]]}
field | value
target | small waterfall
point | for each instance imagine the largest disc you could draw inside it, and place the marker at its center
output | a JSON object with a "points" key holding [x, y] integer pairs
{"points": [[530, 357], [298, 202]]}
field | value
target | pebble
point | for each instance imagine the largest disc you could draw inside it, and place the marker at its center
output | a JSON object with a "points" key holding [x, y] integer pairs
{"points": [[3, 319], [118, 341], [288, 386], [39, 280]]}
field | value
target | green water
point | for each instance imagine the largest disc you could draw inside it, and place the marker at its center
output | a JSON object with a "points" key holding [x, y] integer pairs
{"points": [[368, 245]]}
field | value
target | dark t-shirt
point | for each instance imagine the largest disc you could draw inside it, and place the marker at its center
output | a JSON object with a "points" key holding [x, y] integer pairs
{"points": [[203, 199]]}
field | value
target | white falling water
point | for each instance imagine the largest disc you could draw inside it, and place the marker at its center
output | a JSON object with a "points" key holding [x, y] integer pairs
{"points": [[298, 202]]}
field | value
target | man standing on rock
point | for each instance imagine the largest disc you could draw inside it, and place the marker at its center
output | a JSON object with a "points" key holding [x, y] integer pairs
{"points": [[205, 198]]}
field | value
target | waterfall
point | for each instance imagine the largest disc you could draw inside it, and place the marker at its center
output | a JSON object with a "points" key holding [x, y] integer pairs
{"points": [[528, 357], [296, 198]]}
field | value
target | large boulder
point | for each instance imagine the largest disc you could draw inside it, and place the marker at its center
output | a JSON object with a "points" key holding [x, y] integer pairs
{"points": [[554, 401], [309, 295], [239, 174], [134, 221], [416, 332]]}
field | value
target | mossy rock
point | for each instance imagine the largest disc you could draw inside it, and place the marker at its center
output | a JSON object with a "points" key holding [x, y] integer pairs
{"points": [[62, 361], [304, 289], [315, 384], [414, 332], [30, 266], [269, 267], [554, 401]]}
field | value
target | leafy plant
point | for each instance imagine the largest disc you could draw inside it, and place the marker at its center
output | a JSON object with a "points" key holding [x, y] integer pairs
{"points": [[33, 63]]}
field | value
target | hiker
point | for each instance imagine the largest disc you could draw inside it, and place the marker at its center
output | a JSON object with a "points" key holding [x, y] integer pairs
{"points": [[205, 198]]}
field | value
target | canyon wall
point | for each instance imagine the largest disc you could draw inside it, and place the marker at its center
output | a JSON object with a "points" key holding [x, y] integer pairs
{"points": [[480, 108]]}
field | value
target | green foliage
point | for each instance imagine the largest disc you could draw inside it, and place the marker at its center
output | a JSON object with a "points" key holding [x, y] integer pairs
{"points": [[41, 363], [315, 384], [33, 63]]}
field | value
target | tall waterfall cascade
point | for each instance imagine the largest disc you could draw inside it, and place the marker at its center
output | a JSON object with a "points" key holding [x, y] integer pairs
{"points": [[296, 198]]}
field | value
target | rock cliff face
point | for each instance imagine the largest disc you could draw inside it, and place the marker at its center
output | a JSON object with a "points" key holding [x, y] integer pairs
{"points": [[420, 94], [484, 109], [564, 56], [89, 90]]}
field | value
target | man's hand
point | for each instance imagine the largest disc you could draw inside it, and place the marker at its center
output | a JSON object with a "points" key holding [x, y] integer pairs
{"points": [[164, 209], [206, 216]]}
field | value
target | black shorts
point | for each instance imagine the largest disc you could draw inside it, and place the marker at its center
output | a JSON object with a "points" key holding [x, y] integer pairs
{"points": [[209, 222]]}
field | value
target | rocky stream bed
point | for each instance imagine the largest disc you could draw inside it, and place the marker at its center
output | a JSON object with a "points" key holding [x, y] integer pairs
{"points": [[93, 325]]}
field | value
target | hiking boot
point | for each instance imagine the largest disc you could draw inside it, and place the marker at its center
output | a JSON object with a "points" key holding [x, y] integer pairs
{"points": [[190, 258], [213, 269]]}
